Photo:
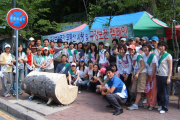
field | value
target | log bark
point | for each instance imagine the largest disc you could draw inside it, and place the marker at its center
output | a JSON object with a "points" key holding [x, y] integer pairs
{"points": [[50, 86]]}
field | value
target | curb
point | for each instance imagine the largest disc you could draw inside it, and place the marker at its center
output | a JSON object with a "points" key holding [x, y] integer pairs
{"points": [[19, 111]]}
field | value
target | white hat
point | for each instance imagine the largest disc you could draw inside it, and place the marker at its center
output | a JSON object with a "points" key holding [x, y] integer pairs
{"points": [[107, 44], [46, 48], [31, 39], [73, 64], [124, 39], [7, 45]]}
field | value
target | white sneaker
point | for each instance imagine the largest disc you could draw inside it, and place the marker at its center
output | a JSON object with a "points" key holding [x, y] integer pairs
{"points": [[162, 111], [144, 101], [133, 107], [79, 91], [160, 108]]}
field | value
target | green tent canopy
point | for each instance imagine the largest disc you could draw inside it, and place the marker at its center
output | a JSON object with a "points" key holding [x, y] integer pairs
{"points": [[143, 23]]}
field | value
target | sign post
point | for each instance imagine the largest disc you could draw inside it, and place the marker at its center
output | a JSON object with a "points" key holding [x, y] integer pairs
{"points": [[17, 19]]}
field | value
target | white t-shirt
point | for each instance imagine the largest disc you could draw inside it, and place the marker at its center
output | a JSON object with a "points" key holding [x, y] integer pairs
{"points": [[156, 53], [124, 65], [82, 72], [138, 66], [75, 76], [138, 48], [71, 58], [90, 73], [163, 69], [48, 58], [102, 57], [149, 68]]}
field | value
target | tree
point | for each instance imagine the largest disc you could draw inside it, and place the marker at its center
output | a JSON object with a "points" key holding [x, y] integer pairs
{"points": [[168, 11], [38, 23]]}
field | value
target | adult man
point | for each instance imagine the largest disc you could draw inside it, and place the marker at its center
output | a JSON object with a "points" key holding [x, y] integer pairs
{"points": [[52, 44], [131, 41], [123, 41], [64, 66], [38, 43], [34, 49], [57, 53], [31, 41], [6, 62], [116, 93], [46, 44], [143, 40]]}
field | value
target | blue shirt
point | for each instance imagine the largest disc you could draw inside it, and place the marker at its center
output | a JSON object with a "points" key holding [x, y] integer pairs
{"points": [[120, 87], [38, 59]]}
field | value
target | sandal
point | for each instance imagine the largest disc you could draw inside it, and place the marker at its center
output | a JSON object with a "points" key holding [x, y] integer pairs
{"points": [[20, 93]]}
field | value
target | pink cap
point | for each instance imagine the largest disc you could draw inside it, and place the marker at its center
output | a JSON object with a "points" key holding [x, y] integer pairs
{"points": [[132, 47], [105, 64], [102, 70]]}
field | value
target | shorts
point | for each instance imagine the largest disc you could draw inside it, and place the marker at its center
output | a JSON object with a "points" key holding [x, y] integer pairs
{"points": [[139, 85]]}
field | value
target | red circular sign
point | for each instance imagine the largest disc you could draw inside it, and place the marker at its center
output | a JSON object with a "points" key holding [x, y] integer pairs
{"points": [[17, 18]]}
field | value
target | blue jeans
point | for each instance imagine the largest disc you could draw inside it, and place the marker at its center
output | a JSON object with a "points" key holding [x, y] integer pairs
{"points": [[20, 78], [83, 83], [27, 71]]}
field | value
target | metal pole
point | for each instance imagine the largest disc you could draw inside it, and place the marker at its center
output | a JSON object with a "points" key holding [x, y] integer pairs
{"points": [[17, 65], [13, 30]]}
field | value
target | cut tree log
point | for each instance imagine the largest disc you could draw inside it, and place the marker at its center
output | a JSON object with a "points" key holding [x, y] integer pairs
{"points": [[51, 86]]}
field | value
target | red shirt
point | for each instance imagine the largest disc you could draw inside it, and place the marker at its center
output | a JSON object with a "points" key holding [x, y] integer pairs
{"points": [[29, 58]]}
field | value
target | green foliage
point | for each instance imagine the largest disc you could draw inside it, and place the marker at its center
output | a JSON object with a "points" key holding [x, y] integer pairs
{"points": [[38, 23]]}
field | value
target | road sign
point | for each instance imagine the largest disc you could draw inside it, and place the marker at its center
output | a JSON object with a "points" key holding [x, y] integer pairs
{"points": [[17, 18]]}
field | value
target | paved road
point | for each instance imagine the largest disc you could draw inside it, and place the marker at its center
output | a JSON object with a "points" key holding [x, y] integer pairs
{"points": [[6, 116]]}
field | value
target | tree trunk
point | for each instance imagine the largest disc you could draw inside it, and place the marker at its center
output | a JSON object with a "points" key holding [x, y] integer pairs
{"points": [[52, 86]]}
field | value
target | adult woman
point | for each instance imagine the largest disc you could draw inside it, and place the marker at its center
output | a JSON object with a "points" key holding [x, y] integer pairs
{"points": [[49, 66], [109, 59], [89, 72], [163, 77], [124, 65], [83, 70], [114, 67], [94, 80], [75, 46], [86, 55], [74, 76], [21, 60], [93, 54], [139, 76], [39, 60], [29, 64], [150, 61], [80, 53]]}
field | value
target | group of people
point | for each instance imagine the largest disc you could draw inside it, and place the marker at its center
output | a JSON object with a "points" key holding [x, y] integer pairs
{"points": [[142, 67]]}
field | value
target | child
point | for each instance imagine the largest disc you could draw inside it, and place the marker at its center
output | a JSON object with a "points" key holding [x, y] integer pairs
{"points": [[102, 79], [29, 65]]}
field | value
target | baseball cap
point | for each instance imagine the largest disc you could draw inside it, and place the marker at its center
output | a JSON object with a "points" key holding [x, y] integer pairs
{"points": [[39, 49], [145, 38], [155, 38], [31, 39], [131, 38], [107, 44], [33, 46], [123, 39], [7, 45], [132, 47], [102, 70], [73, 64], [105, 64], [81, 60], [85, 44], [46, 48], [59, 40]]}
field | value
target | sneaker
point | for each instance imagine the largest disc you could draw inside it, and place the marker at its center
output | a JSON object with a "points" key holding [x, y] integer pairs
{"points": [[133, 107], [146, 106], [7, 95], [79, 91], [162, 111], [151, 108], [145, 101], [140, 104], [160, 108]]}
